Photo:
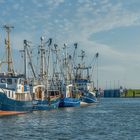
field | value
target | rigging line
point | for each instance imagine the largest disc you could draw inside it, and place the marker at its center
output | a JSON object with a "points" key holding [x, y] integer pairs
{"points": [[95, 59], [30, 60]]}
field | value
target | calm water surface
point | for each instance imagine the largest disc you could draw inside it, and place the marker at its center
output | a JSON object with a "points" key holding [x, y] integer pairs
{"points": [[110, 119]]}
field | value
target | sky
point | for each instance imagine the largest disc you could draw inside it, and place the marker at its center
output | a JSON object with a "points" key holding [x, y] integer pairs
{"points": [[109, 27]]}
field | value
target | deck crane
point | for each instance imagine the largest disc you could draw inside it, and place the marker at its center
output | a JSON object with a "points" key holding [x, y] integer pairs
{"points": [[26, 52], [94, 63]]}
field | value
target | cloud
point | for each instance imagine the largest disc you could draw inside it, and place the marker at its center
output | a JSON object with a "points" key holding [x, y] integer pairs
{"points": [[55, 3], [108, 17], [17, 39], [75, 21], [2, 1]]}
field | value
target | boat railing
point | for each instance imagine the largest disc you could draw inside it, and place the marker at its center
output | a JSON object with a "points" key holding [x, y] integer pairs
{"points": [[26, 96], [3, 90]]}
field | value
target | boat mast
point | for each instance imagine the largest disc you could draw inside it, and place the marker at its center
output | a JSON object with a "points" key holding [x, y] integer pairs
{"points": [[97, 54], [26, 52], [66, 63], [56, 59], [81, 67], [42, 59], [25, 45], [8, 49], [94, 62], [23, 55]]}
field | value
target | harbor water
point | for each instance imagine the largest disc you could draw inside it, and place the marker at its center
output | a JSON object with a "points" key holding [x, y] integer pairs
{"points": [[110, 119]]}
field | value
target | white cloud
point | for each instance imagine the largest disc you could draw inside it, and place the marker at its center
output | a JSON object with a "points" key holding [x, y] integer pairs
{"points": [[108, 17], [16, 6], [55, 3], [2, 1], [17, 39], [76, 22]]}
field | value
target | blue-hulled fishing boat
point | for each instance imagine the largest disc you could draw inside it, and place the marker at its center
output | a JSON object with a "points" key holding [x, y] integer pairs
{"points": [[84, 83], [15, 98], [87, 95], [14, 90], [70, 98], [44, 99], [69, 102], [46, 93]]}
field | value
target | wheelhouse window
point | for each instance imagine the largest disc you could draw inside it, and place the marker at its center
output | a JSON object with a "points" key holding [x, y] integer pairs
{"points": [[52, 93], [3, 80], [9, 81], [15, 80]]}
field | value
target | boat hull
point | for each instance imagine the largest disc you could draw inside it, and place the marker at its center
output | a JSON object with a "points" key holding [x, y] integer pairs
{"points": [[7, 104], [86, 99], [69, 102], [45, 104]]}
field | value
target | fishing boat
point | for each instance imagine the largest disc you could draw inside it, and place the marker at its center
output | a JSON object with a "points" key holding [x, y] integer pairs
{"points": [[44, 99], [84, 83], [46, 93], [88, 97], [13, 98], [70, 96], [14, 90], [87, 94]]}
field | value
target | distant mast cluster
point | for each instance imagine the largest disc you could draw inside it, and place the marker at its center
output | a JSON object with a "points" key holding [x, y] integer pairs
{"points": [[59, 80]]}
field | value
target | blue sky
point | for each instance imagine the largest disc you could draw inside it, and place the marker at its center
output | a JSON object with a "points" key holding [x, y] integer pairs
{"points": [[110, 27]]}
